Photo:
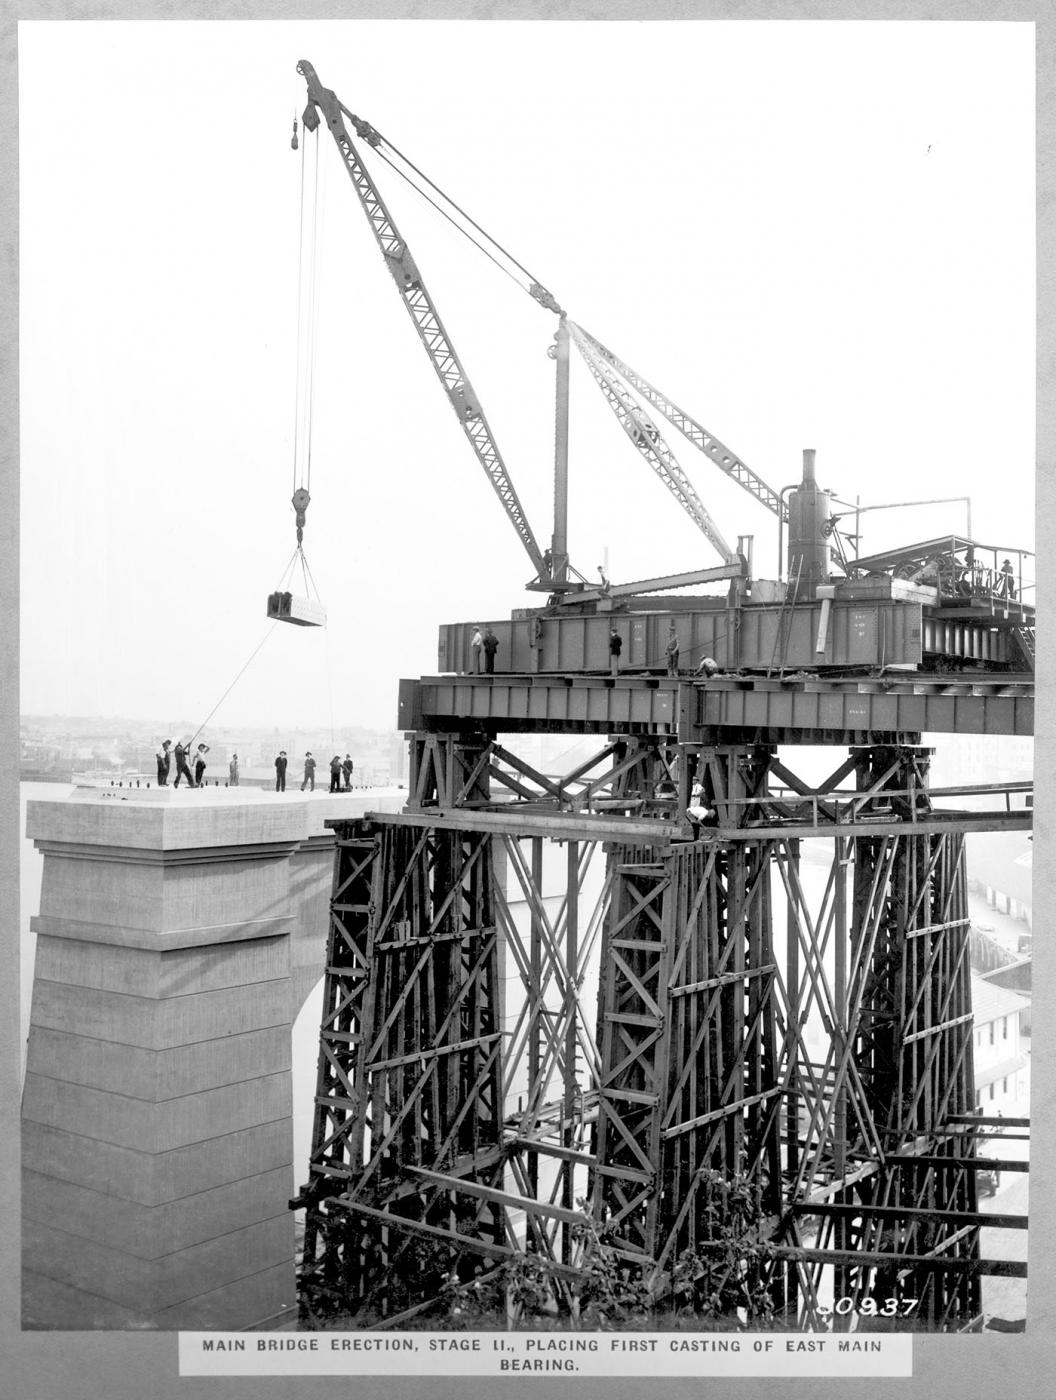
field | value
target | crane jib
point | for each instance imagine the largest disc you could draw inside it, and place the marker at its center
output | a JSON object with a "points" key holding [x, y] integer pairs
{"points": [[647, 438], [721, 455], [423, 313]]}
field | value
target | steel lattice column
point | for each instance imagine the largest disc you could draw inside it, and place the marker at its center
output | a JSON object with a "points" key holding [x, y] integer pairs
{"points": [[446, 770], [409, 1078], [689, 1089], [914, 1048], [886, 1172]]}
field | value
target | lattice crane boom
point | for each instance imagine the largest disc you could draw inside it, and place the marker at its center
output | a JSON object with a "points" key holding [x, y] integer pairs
{"points": [[323, 105], [720, 454], [645, 435]]}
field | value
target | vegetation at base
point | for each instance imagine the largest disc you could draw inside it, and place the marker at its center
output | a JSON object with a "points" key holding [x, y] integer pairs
{"points": [[721, 1283]]}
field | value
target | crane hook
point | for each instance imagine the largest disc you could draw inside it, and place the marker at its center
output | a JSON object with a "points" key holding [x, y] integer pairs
{"points": [[293, 142], [300, 504]]}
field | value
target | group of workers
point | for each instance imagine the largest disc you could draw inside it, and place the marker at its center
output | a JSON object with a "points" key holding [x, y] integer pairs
{"points": [[708, 667], [340, 772], [183, 758], [483, 645], [340, 769]]}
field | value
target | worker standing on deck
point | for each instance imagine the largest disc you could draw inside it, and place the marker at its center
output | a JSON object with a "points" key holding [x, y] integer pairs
{"points": [[232, 771], [615, 647], [672, 649], [491, 646], [164, 762], [199, 764], [280, 771], [476, 642], [309, 772], [346, 769], [182, 770], [1007, 583], [335, 773]]}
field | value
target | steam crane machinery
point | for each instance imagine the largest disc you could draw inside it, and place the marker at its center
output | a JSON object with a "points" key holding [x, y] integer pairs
{"points": [[473, 1103], [946, 604]]}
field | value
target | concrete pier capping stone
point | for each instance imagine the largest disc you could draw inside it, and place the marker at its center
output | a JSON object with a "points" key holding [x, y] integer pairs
{"points": [[179, 932]]}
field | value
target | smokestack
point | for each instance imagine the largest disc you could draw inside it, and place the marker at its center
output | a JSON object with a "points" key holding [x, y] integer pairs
{"points": [[808, 544]]}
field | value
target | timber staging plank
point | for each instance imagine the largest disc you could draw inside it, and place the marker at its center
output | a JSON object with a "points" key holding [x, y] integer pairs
{"points": [[767, 709]]}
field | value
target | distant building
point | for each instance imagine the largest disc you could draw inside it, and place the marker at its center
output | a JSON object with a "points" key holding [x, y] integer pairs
{"points": [[1001, 862], [999, 1052], [982, 758]]}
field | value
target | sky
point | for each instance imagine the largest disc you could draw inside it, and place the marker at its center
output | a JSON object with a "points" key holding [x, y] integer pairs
{"points": [[807, 234]]}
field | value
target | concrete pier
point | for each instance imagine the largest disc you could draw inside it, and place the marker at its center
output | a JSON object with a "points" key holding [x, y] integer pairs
{"points": [[179, 933]]}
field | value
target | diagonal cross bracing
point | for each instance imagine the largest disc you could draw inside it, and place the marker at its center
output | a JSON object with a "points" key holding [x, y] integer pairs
{"points": [[701, 1075]]}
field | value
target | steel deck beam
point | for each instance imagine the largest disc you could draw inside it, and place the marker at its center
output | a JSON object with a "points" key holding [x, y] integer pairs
{"points": [[725, 708]]}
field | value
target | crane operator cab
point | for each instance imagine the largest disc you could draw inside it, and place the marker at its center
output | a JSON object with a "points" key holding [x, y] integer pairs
{"points": [[302, 612]]}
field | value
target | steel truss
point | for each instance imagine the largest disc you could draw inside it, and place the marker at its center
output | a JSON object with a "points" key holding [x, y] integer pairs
{"points": [[478, 1100]]}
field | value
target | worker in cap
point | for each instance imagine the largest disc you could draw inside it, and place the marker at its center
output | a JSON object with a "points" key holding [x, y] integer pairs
{"points": [[708, 667], [1007, 580], [309, 772]]}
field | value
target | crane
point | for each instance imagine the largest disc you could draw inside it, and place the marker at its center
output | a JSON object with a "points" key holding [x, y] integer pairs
{"points": [[875, 613], [550, 565]]}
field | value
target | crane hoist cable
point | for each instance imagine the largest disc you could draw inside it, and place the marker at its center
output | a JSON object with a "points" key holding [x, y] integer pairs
{"points": [[382, 145], [323, 107], [283, 605], [307, 311]]}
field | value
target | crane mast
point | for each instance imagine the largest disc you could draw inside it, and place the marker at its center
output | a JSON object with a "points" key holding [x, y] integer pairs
{"points": [[324, 105]]}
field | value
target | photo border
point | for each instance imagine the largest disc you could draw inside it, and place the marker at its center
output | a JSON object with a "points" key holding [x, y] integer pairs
{"points": [[79, 1366]]}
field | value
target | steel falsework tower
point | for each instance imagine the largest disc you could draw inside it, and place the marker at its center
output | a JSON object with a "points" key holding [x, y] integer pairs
{"points": [[694, 1029]]}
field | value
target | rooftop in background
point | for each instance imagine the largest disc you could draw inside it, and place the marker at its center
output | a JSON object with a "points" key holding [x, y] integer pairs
{"points": [[990, 1002]]}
